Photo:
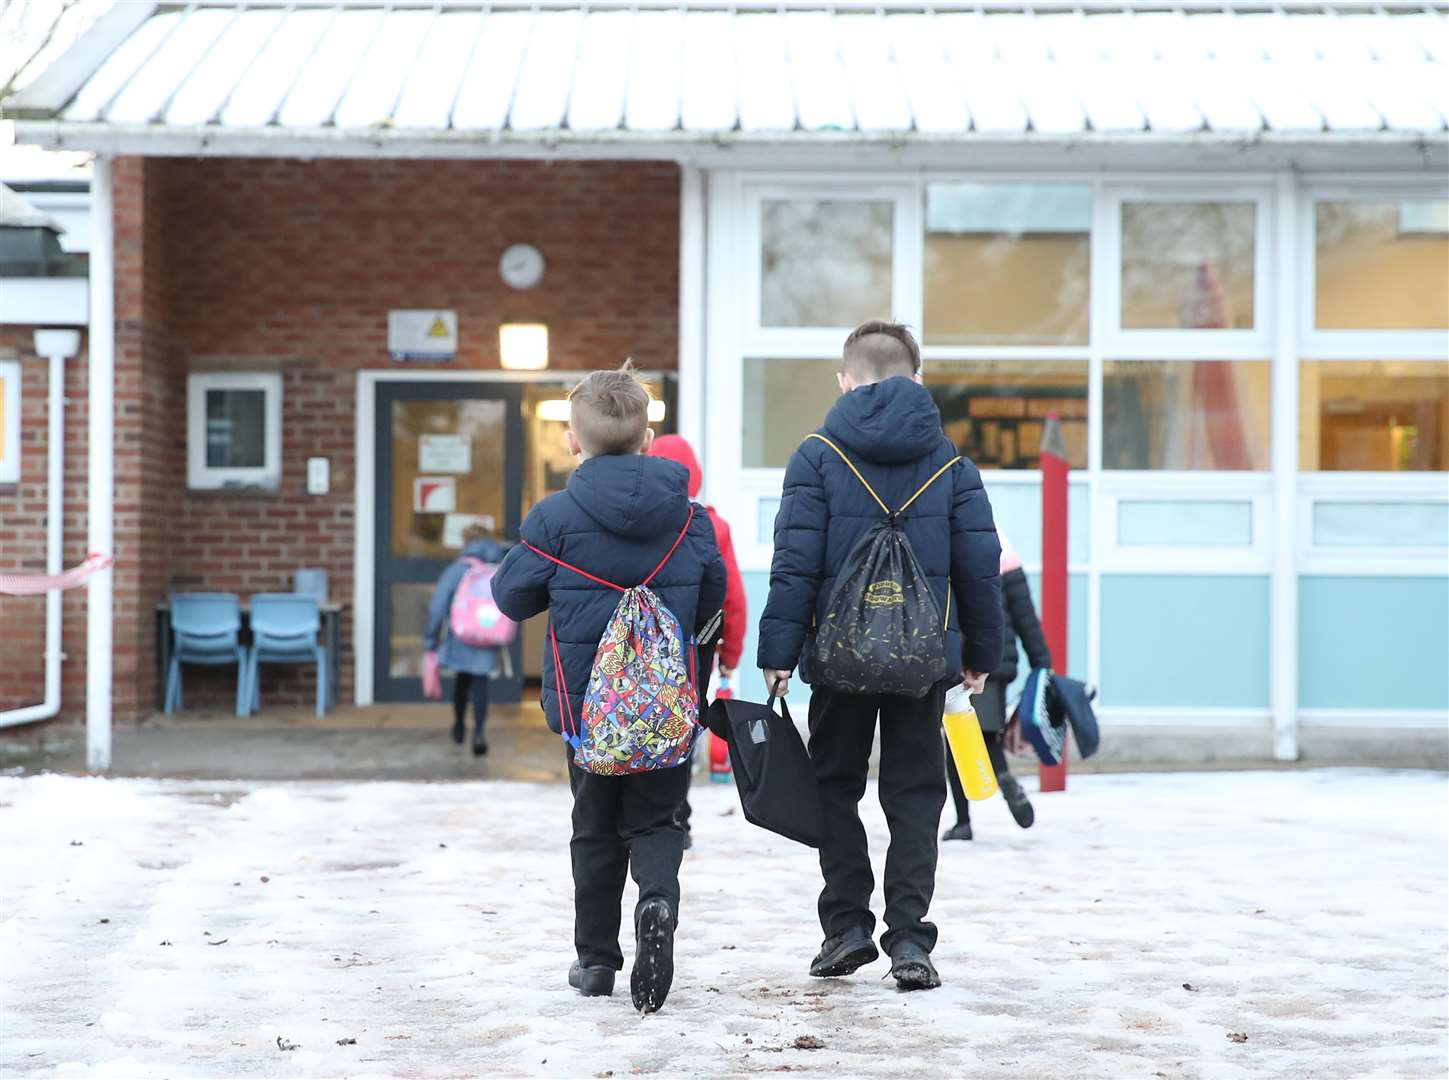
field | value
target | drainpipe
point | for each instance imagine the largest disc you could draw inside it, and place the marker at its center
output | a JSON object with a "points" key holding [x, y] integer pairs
{"points": [[101, 368], [57, 346]]}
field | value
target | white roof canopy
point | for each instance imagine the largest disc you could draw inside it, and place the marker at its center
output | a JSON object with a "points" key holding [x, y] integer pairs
{"points": [[649, 79]]}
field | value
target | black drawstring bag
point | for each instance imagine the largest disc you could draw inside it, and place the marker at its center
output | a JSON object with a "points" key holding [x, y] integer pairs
{"points": [[881, 631], [772, 769]]}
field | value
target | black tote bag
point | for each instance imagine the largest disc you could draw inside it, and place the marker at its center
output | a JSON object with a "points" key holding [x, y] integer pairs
{"points": [[772, 769]]}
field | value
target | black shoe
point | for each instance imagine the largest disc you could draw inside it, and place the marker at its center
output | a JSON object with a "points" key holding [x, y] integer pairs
{"points": [[458, 732], [844, 953], [960, 831], [912, 969], [653, 972], [480, 746], [1016, 800], [593, 981]]}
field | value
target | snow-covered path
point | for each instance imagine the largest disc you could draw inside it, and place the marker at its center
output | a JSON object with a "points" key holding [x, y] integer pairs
{"points": [[157, 928]]}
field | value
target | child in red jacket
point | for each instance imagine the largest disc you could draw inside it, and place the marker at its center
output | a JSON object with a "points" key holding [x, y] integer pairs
{"points": [[732, 636]]}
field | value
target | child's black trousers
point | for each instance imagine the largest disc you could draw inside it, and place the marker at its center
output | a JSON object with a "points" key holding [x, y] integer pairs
{"points": [[912, 793], [622, 824]]}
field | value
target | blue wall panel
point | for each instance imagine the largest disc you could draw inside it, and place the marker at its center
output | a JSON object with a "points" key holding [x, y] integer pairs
{"points": [[1188, 641], [1373, 643]]}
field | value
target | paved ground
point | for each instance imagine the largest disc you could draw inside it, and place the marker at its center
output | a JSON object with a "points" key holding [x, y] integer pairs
{"points": [[399, 742], [384, 742], [1173, 925]]}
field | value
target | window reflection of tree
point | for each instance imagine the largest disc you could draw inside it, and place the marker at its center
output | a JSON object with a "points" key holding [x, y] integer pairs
{"points": [[825, 263]]}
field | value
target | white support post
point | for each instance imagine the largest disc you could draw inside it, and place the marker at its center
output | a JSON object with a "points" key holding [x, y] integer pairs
{"points": [[1283, 584], [101, 479], [691, 309]]}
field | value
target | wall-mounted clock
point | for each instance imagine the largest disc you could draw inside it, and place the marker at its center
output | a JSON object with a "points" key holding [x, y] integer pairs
{"points": [[521, 266]]}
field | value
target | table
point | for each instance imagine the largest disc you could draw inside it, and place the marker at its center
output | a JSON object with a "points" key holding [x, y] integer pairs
{"points": [[331, 634]]}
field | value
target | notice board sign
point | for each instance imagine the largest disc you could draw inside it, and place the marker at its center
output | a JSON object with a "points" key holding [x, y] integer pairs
{"points": [[422, 335]]}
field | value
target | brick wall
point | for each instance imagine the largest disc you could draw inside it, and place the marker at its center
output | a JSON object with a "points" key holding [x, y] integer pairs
{"points": [[293, 266], [22, 533]]}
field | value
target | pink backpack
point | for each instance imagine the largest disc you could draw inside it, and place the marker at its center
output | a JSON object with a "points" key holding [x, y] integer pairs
{"points": [[475, 619]]}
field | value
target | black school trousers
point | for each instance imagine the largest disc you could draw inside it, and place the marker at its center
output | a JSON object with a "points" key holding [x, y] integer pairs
{"points": [[912, 793], [622, 824]]}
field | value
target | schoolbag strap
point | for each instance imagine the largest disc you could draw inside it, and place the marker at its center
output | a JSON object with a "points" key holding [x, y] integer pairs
{"points": [[602, 581], [922, 489], [673, 547], [851, 466], [866, 483], [571, 566], [561, 691]]}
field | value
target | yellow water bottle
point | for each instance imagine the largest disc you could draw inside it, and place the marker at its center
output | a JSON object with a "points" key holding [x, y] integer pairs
{"points": [[968, 747]]}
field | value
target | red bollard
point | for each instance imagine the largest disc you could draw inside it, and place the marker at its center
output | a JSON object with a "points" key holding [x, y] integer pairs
{"points": [[719, 750], [1054, 569]]}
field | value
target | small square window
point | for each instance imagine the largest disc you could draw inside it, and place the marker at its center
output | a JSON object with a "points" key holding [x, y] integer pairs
{"points": [[234, 430]]}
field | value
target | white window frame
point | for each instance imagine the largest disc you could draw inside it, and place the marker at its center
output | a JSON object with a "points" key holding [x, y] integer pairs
{"points": [[1009, 352], [1316, 560], [1328, 346], [1253, 558], [199, 475], [10, 452], [806, 342], [1366, 344], [1121, 344]]}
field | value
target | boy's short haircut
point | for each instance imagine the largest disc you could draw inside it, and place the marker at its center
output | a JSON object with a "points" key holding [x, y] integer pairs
{"points": [[476, 531], [609, 412], [878, 350]]}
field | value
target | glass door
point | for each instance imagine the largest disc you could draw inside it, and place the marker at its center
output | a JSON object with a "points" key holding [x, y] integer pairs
{"points": [[449, 458]]}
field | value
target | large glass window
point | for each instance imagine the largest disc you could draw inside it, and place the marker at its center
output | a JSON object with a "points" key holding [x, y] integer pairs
{"points": [[1382, 265], [784, 400], [995, 410], [1188, 265], [1374, 416], [1007, 264], [1185, 414], [825, 262]]}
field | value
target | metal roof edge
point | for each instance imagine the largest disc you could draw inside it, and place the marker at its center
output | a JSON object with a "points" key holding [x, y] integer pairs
{"points": [[57, 84], [718, 149]]}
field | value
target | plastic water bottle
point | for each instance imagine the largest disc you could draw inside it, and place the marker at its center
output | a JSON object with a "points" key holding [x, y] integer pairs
{"points": [[719, 750], [968, 747]]}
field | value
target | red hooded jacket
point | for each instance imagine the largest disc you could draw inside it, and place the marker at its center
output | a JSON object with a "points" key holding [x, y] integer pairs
{"points": [[732, 642]]}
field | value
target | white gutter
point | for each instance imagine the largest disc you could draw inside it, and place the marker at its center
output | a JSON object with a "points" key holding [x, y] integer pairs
{"points": [[101, 364], [56, 346], [1416, 151]]}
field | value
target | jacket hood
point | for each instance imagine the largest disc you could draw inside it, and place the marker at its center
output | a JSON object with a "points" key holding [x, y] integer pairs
{"points": [[483, 548], [632, 495], [887, 422], [677, 448]]}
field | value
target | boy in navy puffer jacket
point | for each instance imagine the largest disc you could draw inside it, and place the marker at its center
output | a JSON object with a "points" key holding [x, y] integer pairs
{"points": [[617, 520], [890, 429]]}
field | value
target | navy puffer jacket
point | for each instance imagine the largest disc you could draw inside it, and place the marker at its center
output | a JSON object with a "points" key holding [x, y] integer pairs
{"points": [[617, 519], [892, 432]]}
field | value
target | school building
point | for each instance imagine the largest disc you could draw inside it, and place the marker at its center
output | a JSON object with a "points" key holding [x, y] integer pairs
{"points": [[344, 260]]}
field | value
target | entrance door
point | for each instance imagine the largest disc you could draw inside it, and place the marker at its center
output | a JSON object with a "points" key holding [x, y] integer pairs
{"points": [[449, 454]]}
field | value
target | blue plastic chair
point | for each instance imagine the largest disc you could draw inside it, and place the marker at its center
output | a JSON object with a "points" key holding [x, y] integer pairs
{"points": [[284, 631], [206, 629]]}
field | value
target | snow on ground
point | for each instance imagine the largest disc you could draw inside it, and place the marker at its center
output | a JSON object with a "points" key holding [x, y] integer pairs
{"points": [[159, 928]]}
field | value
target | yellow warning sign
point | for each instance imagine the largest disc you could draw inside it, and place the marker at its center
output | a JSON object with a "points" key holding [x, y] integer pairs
{"points": [[427, 335]]}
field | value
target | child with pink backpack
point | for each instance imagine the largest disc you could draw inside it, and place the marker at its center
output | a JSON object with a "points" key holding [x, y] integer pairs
{"points": [[477, 633]]}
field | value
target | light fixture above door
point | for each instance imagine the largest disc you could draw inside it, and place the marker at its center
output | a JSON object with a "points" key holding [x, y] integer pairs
{"points": [[523, 346]]}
